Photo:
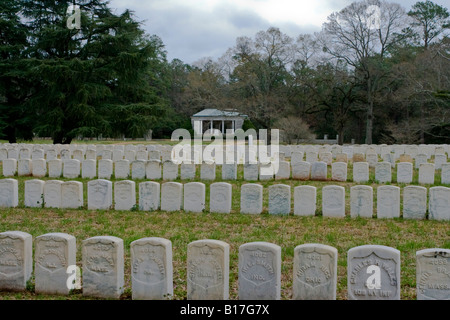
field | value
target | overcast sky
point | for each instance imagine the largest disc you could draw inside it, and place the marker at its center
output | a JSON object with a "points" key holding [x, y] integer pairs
{"points": [[194, 29]]}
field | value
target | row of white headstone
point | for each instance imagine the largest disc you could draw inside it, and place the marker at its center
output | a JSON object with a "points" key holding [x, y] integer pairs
{"points": [[373, 271], [191, 197], [168, 170]]}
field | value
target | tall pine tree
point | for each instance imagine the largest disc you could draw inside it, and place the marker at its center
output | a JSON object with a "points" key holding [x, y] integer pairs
{"points": [[95, 80]]}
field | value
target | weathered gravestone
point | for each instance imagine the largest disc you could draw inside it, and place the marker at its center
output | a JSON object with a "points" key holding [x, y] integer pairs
{"points": [[208, 270], [445, 173], [99, 194], [259, 271], [305, 200], [149, 194], [194, 197], [124, 195], [361, 201], [170, 170], [314, 272], [71, 168], [52, 193], [103, 267], [89, 169], [34, 193], [339, 171], [171, 196], [420, 158], [71, 195], [360, 172], [24, 167], [284, 171], [414, 202], [266, 171], [319, 171], [138, 170], [251, 198], [229, 171], [251, 172], [9, 167], [220, 197], [373, 273], [55, 252], [105, 169], [279, 199], [439, 203], [404, 172], [208, 171], [432, 274], [39, 168], [9, 193], [55, 168], [122, 169], [426, 173], [383, 172], [16, 260], [333, 201], [301, 170], [388, 202], [151, 269], [187, 171]]}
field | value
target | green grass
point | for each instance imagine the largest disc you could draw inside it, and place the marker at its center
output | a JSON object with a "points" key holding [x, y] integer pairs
{"points": [[235, 228]]}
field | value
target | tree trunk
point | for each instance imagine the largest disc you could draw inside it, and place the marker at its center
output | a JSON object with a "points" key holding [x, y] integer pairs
{"points": [[11, 134], [369, 121]]}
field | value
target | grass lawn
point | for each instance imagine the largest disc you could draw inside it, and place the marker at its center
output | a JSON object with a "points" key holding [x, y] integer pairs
{"points": [[235, 228]]}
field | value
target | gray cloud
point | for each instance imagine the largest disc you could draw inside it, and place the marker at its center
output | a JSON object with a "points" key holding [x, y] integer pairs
{"points": [[190, 33]]}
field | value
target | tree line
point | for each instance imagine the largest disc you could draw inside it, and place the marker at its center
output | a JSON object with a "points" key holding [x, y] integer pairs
{"points": [[375, 73]]}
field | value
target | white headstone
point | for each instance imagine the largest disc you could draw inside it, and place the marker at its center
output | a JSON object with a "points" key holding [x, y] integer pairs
{"points": [[153, 169], [426, 173], [99, 194], [383, 172], [259, 271], [432, 278], [279, 199], [305, 200], [373, 273], [194, 197], [55, 168], [314, 272], [55, 252], [187, 171], [151, 269], [149, 194], [439, 203], [208, 171], [105, 169], [388, 202], [251, 172], [339, 171], [319, 171], [39, 168], [138, 169], [170, 170], [251, 198], [24, 167], [404, 172], [9, 193], [89, 169], [208, 270], [361, 201], [34, 193], [71, 195], [9, 167], [445, 173], [122, 169], [16, 254], [103, 267], [360, 172], [414, 202], [333, 201], [71, 168], [171, 196], [124, 195], [220, 197], [284, 171], [52, 194]]}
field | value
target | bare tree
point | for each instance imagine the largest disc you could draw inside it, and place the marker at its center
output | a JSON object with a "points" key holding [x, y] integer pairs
{"points": [[361, 34]]}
